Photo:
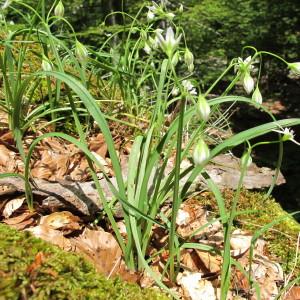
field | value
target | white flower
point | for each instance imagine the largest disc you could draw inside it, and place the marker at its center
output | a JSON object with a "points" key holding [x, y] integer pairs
{"points": [[248, 82], [244, 65], [287, 134], [295, 67], [201, 152], [175, 91], [256, 96], [203, 108], [59, 10], [188, 86], [150, 15], [170, 42]]}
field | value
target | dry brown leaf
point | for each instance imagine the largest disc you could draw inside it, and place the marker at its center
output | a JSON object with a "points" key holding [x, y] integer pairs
{"points": [[240, 242], [5, 156], [38, 261], [194, 217], [195, 287], [51, 235], [101, 248], [63, 220], [212, 263], [293, 294], [11, 206], [22, 221]]}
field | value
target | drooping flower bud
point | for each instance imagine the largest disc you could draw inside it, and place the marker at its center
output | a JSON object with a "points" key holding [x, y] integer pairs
{"points": [[256, 96], [246, 159], [46, 64], [81, 52], [147, 48], [191, 68], [202, 108], [188, 57], [175, 59], [295, 67], [170, 16], [248, 82], [6, 4], [180, 9], [201, 152], [59, 9]]}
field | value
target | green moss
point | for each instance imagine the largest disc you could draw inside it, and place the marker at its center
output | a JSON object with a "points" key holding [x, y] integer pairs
{"points": [[60, 276], [281, 238]]}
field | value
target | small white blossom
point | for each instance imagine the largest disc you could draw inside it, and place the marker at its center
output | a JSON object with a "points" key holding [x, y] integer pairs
{"points": [[175, 91], [180, 9], [188, 86], [150, 15], [170, 42], [287, 134]]}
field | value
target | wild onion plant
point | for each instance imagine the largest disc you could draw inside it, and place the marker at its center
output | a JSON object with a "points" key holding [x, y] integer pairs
{"points": [[152, 68]]}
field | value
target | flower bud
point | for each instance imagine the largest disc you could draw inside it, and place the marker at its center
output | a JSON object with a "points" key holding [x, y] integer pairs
{"points": [[6, 4], [188, 57], [147, 48], [81, 52], [150, 15], [180, 9], [59, 10], [170, 16], [46, 64], [256, 96], [246, 159], [175, 59], [295, 67], [201, 152], [202, 108], [191, 68], [248, 82]]}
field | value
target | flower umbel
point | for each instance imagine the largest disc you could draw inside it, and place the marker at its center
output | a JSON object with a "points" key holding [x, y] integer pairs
{"points": [[201, 152], [170, 42]]}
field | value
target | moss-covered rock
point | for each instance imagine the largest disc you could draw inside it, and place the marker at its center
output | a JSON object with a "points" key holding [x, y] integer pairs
{"points": [[59, 275], [281, 238]]}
